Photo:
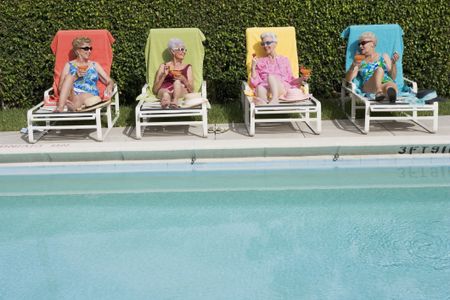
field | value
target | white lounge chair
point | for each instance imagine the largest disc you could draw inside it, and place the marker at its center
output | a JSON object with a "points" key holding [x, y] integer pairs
{"points": [[407, 106], [156, 53], [307, 111], [42, 118]]}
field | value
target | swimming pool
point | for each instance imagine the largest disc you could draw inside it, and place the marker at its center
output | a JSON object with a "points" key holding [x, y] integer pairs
{"points": [[282, 229]]}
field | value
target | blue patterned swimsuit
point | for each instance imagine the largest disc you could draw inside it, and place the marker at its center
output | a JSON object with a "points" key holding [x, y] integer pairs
{"points": [[87, 83], [367, 69]]}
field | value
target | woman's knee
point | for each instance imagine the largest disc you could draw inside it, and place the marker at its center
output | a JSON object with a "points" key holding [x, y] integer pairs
{"points": [[177, 84], [260, 90], [379, 71]]}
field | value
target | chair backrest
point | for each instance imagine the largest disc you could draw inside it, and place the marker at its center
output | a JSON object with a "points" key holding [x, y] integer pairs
{"points": [[286, 46], [101, 41], [156, 52], [390, 39]]}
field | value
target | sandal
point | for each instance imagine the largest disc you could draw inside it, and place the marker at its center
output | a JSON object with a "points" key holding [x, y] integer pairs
{"points": [[391, 94], [379, 96]]}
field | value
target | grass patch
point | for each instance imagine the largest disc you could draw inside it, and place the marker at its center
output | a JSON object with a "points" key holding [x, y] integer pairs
{"points": [[15, 119]]}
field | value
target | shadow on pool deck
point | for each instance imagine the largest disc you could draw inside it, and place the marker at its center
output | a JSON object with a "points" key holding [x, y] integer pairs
{"points": [[228, 141]]}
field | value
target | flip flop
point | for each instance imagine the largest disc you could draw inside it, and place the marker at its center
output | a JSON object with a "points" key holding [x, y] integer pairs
{"points": [[391, 94], [379, 96]]}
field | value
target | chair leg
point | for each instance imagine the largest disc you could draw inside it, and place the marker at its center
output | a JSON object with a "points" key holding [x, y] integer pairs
{"points": [[367, 119], [98, 122], [252, 116], [138, 122], [204, 120], [319, 122], [435, 116], [30, 126], [109, 116]]}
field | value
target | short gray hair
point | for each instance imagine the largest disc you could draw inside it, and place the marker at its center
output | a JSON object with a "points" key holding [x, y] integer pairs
{"points": [[368, 35], [269, 35], [174, 43]]}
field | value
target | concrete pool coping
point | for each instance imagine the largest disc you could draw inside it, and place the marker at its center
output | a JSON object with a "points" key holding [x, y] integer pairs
{"points": [[338, 138]]}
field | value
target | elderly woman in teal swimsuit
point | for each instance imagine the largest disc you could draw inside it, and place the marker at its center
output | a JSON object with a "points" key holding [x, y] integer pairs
{"points": [[378, 71], [79, 78]]}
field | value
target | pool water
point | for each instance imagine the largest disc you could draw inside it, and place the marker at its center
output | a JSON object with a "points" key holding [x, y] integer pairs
{"points": [[261, 233]]}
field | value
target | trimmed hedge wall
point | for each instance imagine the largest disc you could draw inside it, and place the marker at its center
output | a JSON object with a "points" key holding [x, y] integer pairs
{"points": [[28, 26]]}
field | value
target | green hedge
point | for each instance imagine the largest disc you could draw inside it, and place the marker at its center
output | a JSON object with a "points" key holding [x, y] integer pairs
{"points": [[28, 26]]}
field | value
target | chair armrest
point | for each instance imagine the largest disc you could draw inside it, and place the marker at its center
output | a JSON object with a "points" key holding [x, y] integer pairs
{"points": [[349, 85], [144, 89], [203, 90], [47, 93], [413, 83]]}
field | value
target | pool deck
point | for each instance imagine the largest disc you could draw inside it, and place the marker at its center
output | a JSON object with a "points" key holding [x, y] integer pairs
{"points": [[338, 137]]}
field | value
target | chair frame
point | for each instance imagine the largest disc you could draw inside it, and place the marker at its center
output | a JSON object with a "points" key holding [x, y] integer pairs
{"points": [[145, 111], [409, 112], [252, 111], [37, 115]]}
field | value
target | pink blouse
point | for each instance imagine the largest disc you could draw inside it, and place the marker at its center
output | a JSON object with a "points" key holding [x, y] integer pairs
{"points": [[279, 67]]}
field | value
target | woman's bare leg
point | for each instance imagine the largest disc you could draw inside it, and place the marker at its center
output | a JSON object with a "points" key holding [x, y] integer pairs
{"points": [[179, 90], [164, 96], [276, 87], [66, 91], [261, 93], [373, 85], [78, 101]]}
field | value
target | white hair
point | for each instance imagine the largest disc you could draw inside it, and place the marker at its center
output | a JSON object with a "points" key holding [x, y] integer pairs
{"points": [[174, 43], [368, 35], [271, 35]]}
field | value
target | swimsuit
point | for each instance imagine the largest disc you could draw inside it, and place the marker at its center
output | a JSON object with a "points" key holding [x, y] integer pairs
{"points": [[367, 70], [170, 79], [87, 83], [280, 67]]}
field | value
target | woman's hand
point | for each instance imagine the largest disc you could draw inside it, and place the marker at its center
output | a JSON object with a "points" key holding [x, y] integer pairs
{"points": [[108, 92], [166, 70], [254, 62], [395, 57], [81, 72]]}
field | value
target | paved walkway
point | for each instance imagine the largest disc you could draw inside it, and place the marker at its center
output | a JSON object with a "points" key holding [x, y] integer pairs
{"points": [[338, 137]]}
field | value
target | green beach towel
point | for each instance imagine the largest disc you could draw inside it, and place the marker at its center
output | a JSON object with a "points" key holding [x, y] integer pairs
{"points": [[156, 53]]}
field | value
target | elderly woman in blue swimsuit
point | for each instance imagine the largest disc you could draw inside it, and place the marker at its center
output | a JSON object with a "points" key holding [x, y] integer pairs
{"points": [[378, 71], [79, 78]]}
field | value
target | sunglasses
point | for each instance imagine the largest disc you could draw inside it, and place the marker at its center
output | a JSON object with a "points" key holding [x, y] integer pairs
{"points": [[362, 43], [86, 48], [268, 43], [180, 49]]}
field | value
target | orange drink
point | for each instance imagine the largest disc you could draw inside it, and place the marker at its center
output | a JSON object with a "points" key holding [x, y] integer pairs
{"points": [[306, 72], [175, 73], [83, 68], [359, 58]]}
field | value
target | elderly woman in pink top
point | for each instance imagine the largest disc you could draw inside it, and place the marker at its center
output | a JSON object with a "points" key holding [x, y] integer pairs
{"points": [[272, 73]]}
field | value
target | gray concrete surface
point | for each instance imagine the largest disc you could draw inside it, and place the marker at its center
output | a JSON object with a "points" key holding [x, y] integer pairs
{"points": [[338, 137]]}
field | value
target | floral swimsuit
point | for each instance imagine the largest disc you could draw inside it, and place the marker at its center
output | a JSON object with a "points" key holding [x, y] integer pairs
{"points": [[368, 69], [87, 83]]}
